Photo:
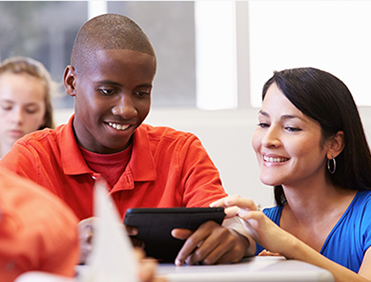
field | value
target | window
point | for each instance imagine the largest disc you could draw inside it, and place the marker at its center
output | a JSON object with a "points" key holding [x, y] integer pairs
{"points": [[211, 54], [330, 35], [45, 30]]}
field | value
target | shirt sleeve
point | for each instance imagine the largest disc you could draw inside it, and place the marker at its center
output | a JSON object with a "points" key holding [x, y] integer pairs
{"points": [[201, 179], [61, 243], [21, 160], [366, 225]]}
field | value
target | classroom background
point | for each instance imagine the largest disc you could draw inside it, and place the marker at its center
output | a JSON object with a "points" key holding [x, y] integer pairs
{"points": [[213, 59]]}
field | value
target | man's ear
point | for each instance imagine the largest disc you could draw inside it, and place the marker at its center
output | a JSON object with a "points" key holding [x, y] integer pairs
{"points": [[69, 81], [335, 145]]}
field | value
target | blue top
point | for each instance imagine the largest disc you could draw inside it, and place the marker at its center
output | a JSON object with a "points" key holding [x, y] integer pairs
{"points": [[351, 236]]}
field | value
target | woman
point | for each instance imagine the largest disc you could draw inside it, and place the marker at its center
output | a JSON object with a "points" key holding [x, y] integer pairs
{"points": [[25, 100], [311, 147]]}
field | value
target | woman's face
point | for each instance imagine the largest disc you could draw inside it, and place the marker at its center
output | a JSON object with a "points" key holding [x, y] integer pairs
{"points": [[22, 106], [287, 143]]}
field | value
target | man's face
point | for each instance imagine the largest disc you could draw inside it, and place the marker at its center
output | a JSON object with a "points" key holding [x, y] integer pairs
{"points": [[112, 98]]}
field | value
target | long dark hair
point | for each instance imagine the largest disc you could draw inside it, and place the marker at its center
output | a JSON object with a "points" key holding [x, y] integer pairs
{"points": [[326, 99]]}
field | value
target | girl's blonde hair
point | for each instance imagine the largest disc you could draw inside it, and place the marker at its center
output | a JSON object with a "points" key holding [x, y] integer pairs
{"points": [[19, 65]]}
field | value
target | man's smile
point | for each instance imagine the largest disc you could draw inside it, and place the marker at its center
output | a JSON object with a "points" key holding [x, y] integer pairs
{"points": [[118, 126]]}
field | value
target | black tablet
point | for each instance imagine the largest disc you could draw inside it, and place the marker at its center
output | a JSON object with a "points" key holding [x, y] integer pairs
{"points": [[155, 225]]}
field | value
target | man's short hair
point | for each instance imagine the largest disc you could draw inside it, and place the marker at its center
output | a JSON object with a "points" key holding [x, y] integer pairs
{"points": [[108, 31]]}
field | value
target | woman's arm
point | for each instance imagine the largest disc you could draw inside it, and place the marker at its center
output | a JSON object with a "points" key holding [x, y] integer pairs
{"points": [[300, 251], [266, 233]]}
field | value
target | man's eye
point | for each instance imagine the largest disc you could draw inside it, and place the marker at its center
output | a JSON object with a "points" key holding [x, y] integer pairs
{"points": [[142, 93], [107, 92]]}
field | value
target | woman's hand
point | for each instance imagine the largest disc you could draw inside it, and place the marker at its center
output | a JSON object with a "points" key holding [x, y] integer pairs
{"points": [[264, 231], [265, 253]]}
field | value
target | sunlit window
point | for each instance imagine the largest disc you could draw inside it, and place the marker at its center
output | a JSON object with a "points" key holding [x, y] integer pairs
{"points": [[211, 54], [45, 30], [330, 35]]}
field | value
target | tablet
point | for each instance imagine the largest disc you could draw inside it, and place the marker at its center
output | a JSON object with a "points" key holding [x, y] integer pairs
{"points": [[155, 225]]}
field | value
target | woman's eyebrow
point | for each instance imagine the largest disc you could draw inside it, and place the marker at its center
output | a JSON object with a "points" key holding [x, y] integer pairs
{"points": [[292, 117], [283, 117], [263, 113]]}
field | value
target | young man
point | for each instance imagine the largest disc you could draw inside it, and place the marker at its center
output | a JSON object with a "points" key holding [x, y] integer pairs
{"points": [[113, 65], [38, 231]]}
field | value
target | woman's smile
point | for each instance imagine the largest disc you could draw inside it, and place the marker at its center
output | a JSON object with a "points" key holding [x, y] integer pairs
{"points": [[274, 159]]}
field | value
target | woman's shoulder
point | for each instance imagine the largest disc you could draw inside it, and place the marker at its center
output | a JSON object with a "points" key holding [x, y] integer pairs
{"points": [[363, 197], [360, 209]]}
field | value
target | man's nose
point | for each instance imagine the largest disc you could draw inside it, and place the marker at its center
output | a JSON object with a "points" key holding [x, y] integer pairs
{"points": [[125, 107]]}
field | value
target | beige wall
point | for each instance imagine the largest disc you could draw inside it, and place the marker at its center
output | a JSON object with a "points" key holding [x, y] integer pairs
{"points": [[226, 134], [227, 138]]}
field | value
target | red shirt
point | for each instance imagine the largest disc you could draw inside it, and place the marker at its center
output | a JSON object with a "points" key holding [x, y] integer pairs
{"points": [[167, 168], [110, 166], [38, 232]]}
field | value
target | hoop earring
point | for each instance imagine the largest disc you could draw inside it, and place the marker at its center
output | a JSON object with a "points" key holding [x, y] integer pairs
{"points": [[332, 171]]}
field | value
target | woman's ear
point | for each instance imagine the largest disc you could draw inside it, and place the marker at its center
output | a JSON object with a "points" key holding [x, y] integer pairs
{"points": [[335, 145], [69, 80]]}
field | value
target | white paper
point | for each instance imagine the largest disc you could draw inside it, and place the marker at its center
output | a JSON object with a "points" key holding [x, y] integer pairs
{"points": [[112, 258]]}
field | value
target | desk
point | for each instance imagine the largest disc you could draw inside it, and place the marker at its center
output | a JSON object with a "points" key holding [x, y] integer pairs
{"points": [[256, 269]]}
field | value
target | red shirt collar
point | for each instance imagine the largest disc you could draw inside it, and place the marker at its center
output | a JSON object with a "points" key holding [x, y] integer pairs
{"points": [[141, 164]]}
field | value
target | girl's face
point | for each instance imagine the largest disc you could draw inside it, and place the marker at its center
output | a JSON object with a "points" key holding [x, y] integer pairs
{"points": [[22, 106], [287, 143]]}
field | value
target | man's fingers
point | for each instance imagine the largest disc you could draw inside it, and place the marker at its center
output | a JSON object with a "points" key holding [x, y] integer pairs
{"points": [[132, 231], [181, 234], [199, 244]]}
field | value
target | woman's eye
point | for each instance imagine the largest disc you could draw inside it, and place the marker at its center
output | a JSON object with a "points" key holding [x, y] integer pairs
{"points": [[292, 129], [263, 125], [6, 108], [31, 111]]}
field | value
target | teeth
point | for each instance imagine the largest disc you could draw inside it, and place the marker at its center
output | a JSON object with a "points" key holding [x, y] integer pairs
{"points": [[274, 160], [118, 126]]}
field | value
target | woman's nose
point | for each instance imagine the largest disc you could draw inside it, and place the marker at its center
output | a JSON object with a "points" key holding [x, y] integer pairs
{"points": [[271, 137], [17, 116]]}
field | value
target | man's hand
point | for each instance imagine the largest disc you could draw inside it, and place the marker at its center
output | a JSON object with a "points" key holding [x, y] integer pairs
{"points": [[210, 244], [132, 231], [86, 232], [146, 268]]}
